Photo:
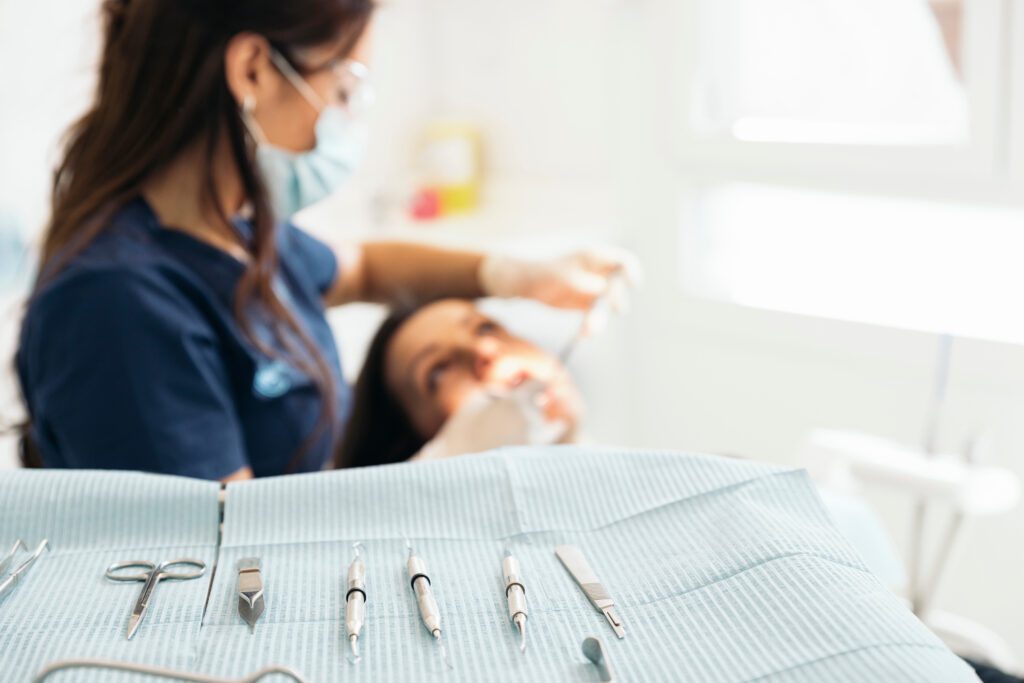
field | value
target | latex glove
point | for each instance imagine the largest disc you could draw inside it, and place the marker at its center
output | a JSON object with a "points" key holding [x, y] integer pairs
{"points": [[488, 420], [572, 281]]}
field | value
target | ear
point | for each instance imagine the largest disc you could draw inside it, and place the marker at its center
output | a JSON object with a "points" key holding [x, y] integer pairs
{"points": [[247, 67]]}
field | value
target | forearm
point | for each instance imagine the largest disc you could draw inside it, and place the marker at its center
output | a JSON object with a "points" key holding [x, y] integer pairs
{"points": [[403, 272]]}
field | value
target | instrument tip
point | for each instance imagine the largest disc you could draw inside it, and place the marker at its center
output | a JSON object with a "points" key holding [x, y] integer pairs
{"points": [[441, 649], [520, 622], [353, 641], [133, 625]]}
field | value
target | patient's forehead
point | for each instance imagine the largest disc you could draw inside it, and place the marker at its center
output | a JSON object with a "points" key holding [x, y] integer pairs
{"points": [[433, 323]]}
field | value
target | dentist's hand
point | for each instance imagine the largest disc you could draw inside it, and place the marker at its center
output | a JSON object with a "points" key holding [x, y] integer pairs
{"points": [[487, 420], [572, 281]]}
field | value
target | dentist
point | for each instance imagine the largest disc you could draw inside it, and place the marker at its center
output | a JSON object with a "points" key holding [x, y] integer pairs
{"points": [[177, 324]]}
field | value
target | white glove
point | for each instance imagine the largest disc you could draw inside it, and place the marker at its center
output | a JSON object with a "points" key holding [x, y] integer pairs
{"points": [[572, 281], [488, 420]]}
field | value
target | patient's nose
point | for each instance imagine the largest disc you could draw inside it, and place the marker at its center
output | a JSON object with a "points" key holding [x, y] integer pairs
{"points": [[485, 352]]}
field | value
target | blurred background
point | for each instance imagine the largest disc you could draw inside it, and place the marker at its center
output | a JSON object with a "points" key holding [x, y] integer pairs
{"points": [[827, 196]]}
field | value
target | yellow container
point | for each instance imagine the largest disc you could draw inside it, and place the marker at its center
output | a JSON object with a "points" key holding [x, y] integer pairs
{"points": [[451, 163]]}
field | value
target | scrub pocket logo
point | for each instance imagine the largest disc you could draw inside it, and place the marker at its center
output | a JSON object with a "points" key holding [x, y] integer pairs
{"points": [[271, 380]]}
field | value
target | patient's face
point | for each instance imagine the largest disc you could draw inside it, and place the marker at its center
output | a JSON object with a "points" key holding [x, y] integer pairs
{"points": [[448, 350]]}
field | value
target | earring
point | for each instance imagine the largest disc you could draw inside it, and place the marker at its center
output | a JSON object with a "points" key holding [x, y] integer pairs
{"points": [[249, 121]]}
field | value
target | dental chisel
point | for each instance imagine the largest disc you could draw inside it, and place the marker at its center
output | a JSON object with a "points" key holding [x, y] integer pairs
{"points": [[515, 593], [355, 603], [429, 611], [251, 602]]}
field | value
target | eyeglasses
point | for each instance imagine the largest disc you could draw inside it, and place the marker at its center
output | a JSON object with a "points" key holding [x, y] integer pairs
{"points": [[352, 88]]}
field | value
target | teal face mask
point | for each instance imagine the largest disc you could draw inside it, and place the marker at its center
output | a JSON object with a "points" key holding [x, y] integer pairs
{"points": [[296, 180]]}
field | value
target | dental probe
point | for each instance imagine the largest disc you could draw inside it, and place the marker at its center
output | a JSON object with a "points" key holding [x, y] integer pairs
{"points": [[429, 611], [515, 593], [585, 323], [355, 602]]}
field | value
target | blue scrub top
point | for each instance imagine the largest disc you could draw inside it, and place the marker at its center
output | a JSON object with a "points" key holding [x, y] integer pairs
{"points": [[132, 358]]}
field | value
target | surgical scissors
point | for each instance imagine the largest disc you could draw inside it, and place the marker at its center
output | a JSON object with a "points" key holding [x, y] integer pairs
{"points": [[153, 574]]}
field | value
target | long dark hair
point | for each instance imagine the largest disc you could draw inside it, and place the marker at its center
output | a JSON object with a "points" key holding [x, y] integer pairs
{"points": [[379, 430], [162, 87]]}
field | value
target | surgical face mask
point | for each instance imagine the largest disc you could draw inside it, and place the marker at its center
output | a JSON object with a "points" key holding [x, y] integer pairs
{"points": [[297, 179]]}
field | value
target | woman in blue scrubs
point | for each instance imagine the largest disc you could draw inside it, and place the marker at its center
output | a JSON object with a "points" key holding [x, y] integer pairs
{"points": [[177, 324]]}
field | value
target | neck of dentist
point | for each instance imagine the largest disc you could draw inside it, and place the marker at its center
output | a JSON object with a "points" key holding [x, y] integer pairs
{"points": [[178, 196]]}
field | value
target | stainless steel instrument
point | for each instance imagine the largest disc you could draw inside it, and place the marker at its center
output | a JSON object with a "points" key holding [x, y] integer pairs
{"points": [[515, 593], [429, 611], [355, 602], [8, 584], [573, 560], [152, 575], [251, 601]]}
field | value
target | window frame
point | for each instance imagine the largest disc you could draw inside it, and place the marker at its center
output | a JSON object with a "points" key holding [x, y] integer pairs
{"points": [[990, 167]]}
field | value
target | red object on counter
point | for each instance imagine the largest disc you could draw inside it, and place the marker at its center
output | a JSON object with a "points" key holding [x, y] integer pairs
{"points": [[425, 204]]}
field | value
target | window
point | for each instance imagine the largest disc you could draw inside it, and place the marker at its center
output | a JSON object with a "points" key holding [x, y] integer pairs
{"points": [[857, 159], [882, 87], [833, 71], [904, 263]]}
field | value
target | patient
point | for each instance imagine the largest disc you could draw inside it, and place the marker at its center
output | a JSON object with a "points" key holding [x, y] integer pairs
{"points": [[425, 364]]}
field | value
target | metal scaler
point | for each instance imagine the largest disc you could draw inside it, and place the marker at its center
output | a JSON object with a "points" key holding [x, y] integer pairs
{"points": [[429, 612], [251, 602], [515, 593], [355, 603]]}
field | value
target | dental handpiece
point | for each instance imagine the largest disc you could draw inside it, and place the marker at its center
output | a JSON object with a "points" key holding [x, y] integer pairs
{"points": [[355, 603], [515, 593], [429, 611]]}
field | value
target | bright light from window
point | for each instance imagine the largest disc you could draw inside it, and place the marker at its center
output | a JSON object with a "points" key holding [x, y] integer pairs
{"points": [[832, 71], [900, 263]]}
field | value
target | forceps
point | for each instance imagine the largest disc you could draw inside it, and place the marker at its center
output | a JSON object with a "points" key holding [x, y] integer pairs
{"points": [[11, 581], [150, 577]]}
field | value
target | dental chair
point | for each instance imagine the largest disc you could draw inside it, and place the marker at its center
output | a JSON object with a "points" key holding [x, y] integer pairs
{"points": [[844, 464]]}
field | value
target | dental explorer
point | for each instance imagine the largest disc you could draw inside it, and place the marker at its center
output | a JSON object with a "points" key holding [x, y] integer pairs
{"points": [[429, 611], [355, 602], [515, 593]]}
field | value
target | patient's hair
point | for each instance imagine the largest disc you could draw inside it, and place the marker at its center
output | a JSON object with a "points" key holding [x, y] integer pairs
{"points": [[379, 430]]}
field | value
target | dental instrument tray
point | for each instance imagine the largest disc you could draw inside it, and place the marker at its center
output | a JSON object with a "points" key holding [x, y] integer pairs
{"points": [[720, 569]]}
